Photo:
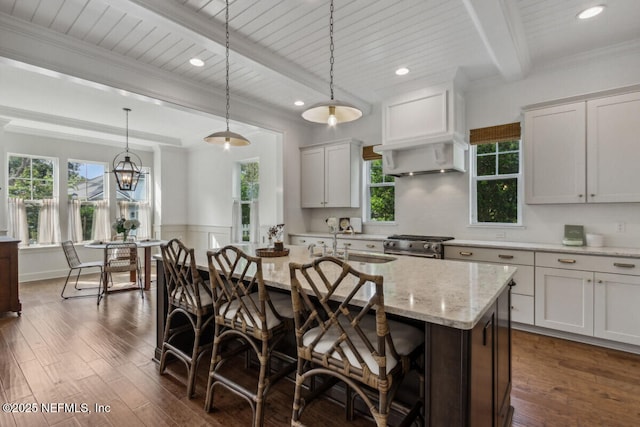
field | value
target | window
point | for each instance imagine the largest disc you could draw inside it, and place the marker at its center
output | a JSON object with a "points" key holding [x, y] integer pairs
{"points": [[249, 193], [85, 188], [136, 205], [496, 179], [380, 193], [33, 211]]}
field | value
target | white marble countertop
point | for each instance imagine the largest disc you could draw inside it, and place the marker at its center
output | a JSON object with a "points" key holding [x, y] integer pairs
{"points": [[548, 247], [448, 293]]}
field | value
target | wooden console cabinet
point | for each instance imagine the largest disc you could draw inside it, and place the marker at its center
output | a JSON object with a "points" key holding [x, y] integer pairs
{"points": [[9, 300]]}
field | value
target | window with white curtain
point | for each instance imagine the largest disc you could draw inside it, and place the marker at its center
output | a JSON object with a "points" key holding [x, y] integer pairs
{"points": [[137, 205], [249, 195], [33, 212], [86, 188]]}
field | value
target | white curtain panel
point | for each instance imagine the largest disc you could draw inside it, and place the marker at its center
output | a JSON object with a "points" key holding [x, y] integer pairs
{"points": [[144, 216], [101, 229], [75, 221], [17, 220], [236, 222], [254, 222], [49, 222]]}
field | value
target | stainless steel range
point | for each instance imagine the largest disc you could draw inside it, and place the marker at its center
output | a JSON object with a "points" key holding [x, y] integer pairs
{"points": [[421, 246]]}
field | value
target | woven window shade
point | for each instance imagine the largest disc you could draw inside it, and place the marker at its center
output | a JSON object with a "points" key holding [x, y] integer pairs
{"points": [[492, 134], [368, 154]]}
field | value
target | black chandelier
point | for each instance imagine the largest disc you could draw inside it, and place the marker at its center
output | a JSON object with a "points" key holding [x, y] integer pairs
{"points": [[127, 173]]}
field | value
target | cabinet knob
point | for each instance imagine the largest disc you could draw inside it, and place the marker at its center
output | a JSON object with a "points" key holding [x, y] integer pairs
{"points": [[302, 240], [347, 244], [599, 281], [588, 280], [371, 246], [566, 261], [580, 195], [592, 195], [505, 256], [464, 253], [321, 242]]}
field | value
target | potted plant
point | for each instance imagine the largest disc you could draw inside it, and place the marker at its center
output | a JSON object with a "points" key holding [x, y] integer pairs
{"points": [[124, 226], [275, 237]]}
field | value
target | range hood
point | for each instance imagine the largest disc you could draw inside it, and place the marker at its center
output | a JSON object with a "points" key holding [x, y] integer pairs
{"points": [[424, 132], [423, 157]]}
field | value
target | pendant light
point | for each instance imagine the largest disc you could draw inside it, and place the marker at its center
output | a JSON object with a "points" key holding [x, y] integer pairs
{"points": [[333, 111], [227, 138], [127, 173]]}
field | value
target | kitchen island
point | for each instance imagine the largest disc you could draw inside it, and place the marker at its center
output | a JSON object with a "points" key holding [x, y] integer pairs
{"points": [[464, 309]]}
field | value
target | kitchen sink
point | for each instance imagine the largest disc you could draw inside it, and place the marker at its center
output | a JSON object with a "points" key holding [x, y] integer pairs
{"points": [[370, 258]]}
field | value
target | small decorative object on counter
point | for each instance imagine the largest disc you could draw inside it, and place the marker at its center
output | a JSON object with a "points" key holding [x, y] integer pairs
{"points": [[275, 237], [124, 227]]}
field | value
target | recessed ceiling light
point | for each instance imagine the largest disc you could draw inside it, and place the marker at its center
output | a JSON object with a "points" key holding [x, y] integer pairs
{"points": [[402, 71], [196, 62], [591, 12], [299, 103]]}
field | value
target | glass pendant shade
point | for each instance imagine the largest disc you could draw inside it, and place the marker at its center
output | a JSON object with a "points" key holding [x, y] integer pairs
{"points": [[332, 112], [126, 172]]}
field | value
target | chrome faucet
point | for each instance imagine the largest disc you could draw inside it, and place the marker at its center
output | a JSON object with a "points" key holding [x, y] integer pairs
{"points": [[335, 244]]}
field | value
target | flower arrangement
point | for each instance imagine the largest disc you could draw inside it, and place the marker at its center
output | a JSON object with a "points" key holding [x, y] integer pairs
{"points": [[124, 226], [275, 232]]}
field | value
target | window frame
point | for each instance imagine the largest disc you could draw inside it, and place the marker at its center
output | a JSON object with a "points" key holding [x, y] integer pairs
{"points": [[367, 194], [105, 185], [246, 203], [473, 180], [30, 203]]}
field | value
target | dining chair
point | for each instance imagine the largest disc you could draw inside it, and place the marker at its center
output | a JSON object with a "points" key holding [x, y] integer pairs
{"points": [[342, 341], [121, 257], [246, 313], [189, 311], [73, 260]]}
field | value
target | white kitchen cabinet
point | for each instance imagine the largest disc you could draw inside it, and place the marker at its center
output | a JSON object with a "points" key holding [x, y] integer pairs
{"points": [[331, 175], [583, 152], [590, 295], [361, 244], [354, 244], [613, 148], [522, 294], [554, 154], [564, 300], [617, 307]]}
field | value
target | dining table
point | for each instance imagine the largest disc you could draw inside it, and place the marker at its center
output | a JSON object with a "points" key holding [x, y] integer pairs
{"points": [[146, 244]]}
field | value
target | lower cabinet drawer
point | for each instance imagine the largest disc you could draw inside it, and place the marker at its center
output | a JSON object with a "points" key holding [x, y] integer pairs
{"points": [[522, 308], [361, 245]]}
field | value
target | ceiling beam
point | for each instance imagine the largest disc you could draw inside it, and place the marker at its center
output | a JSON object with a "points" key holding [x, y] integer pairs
{"points": [[211, 35], [499, 25]]}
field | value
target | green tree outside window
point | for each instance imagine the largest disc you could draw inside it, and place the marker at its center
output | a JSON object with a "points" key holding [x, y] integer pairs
{"points": [[380, 193]]}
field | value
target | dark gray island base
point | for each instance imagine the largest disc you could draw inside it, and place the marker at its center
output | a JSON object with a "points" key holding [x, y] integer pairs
{"points": [[467, 371]]}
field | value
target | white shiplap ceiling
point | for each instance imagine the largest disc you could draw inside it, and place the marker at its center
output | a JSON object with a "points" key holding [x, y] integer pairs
{"points": [[280, 48]]}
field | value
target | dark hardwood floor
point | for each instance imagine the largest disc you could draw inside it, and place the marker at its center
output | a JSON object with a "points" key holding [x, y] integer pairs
{"points": [[74, 352]]}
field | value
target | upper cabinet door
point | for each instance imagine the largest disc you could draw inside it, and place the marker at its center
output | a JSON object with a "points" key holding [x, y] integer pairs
{"points": [[613, 149], [337, 176], [555, 154], [312, 178]]}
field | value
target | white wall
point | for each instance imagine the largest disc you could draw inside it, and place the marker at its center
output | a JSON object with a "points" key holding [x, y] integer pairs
{"points": [[439, 204]]}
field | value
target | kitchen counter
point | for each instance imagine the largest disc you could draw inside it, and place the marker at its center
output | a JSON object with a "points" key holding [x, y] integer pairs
{"points": [[548, 247], [442, 292]]}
